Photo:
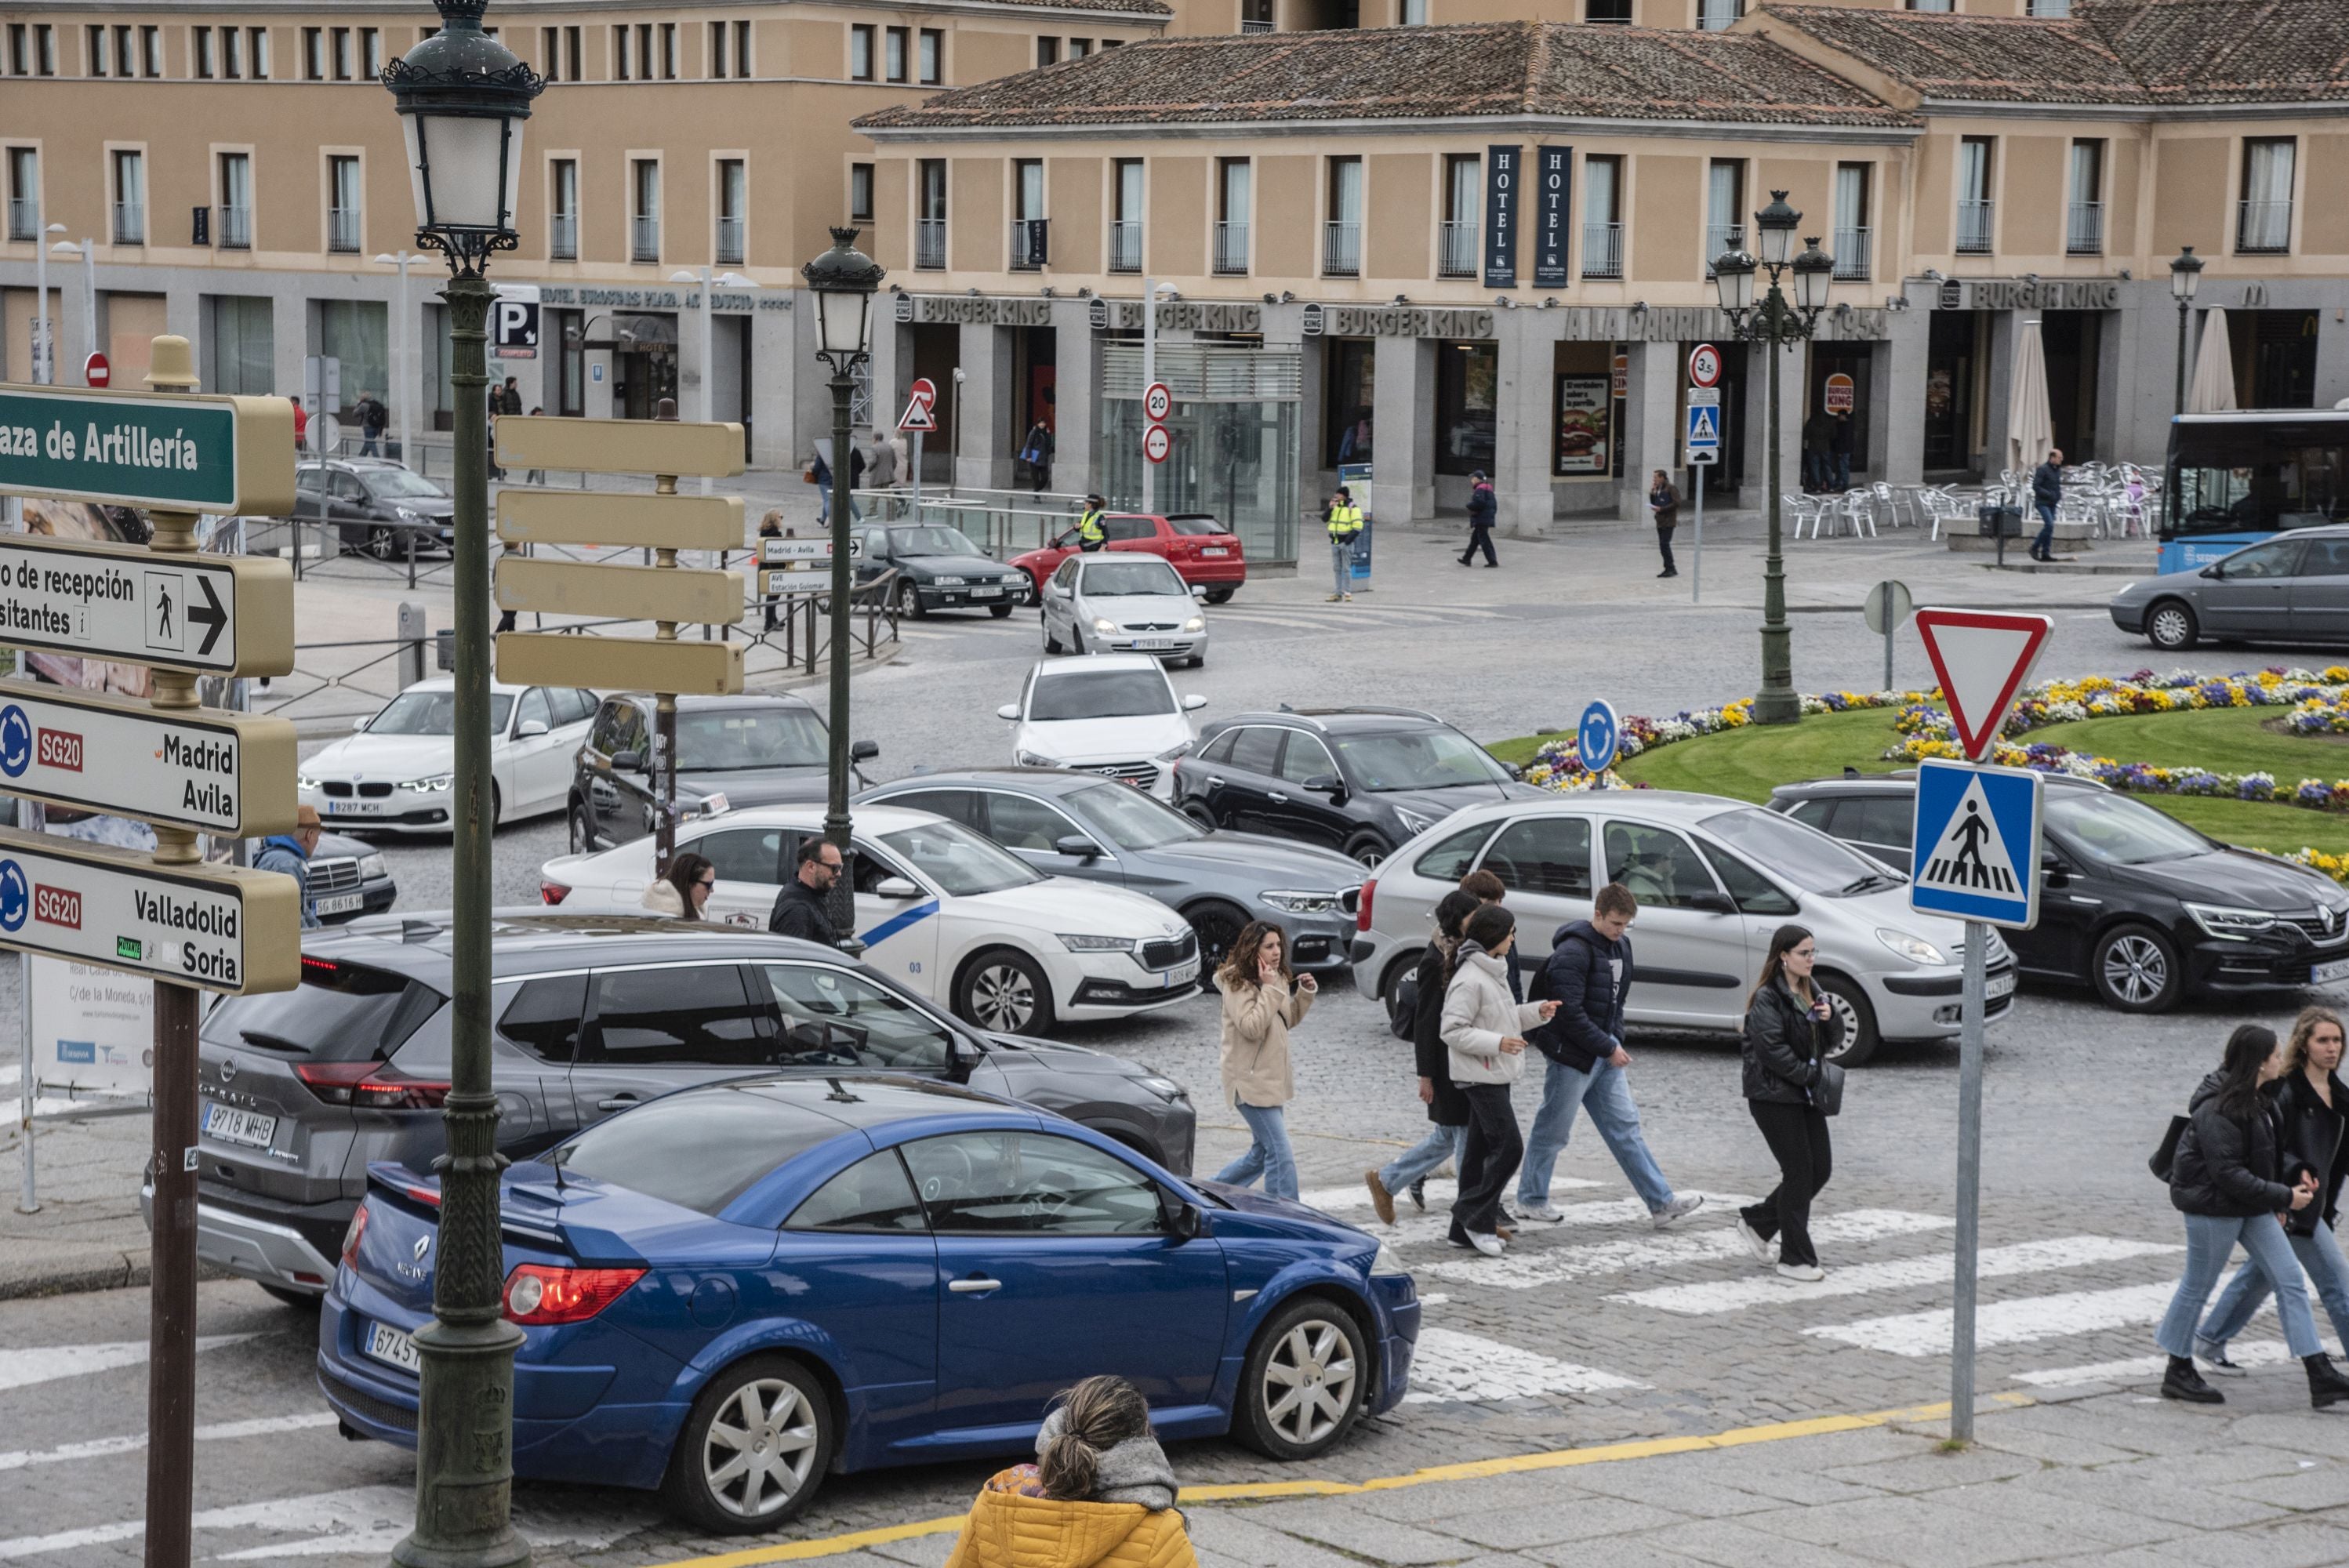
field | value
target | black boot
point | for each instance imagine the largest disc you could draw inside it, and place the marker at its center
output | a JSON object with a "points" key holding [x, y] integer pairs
{"points": [[2325, 1386], [2182, 1382]]}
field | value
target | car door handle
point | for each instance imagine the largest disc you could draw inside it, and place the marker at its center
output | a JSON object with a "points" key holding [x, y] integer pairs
{"points": [[1214, 782], [1275, 797], [972, 1286], [618, 1102]]}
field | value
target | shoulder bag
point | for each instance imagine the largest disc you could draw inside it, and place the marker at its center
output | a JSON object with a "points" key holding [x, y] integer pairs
{"points": [[1827, 1093], [2165, 1153]]}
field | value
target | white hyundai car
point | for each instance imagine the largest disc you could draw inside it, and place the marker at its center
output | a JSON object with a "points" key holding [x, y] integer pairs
{"points": [[953, 916], [1114, 713], [393, 775]]}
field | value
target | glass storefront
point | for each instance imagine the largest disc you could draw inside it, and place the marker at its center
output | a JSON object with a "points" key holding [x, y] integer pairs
{"points": [[1467, 375], [239, 345], [2073, 341], [1953, 361], [1351, 367], [1236, 437], [2275, 357], [354, 332]]}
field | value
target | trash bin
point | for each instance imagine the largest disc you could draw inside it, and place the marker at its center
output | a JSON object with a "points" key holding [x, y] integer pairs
{"points": [[1999, 521]]}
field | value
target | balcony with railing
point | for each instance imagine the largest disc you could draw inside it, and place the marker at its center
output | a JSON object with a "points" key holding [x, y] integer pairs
{"points": [[729, 241], [1253, 26], [1720, 239], [1231, 249], [1029, 249], [1854, 252], [2263, 228], [644, 238], [1974, 225], [1125, 245], [342, 229], [1341, 250], [1602, 250], [130, 222], [236, 232], [24, 218], [1456, 250], [2084, 228], [930, 243], [562, 237]]}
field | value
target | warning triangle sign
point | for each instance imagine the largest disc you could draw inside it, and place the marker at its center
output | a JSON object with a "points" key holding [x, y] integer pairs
{"points": [[1981, 658], [918, 416], [1971, 854]]}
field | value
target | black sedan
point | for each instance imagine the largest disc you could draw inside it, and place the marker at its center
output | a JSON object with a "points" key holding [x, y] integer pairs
{"points": [[2135, 904], [376, 505], [939, 568], [348, 879], [752, 750]]}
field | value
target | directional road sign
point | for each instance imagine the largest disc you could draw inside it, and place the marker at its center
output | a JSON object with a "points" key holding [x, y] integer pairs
{"points": [[218, 614], [1704, 365], [688, 666], [785, 551], [1976, 843], [631, 592], [213, 772], [613, 517], [1156, 444], [620, 446], [216, 927], [181, 451], [1157, 401], [1981, 658], [1597, 736]]}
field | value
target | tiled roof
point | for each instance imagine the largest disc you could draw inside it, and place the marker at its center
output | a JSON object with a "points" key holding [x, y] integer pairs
{"points": [[1533, 69], [2228, 51]]}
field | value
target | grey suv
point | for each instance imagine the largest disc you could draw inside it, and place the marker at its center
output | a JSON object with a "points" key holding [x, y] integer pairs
{"points": [[302, 1089]]}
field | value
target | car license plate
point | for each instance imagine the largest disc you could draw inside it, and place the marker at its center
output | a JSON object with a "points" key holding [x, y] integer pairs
{"points": [[1214, 550], [341, 902], [2325, 974], [353, 807], [1183, 975], [1152, 644], [386, 1342], [1999, 985], [986, 592], [231, 1125]]}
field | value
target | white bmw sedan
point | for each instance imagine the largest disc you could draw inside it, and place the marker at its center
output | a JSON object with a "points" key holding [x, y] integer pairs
{"points": [[952, 915], [393, 774]]}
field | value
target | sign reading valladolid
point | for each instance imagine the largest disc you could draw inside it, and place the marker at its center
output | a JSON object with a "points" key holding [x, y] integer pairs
{"points": [[218, 929], [198, 768], [187, 451], [121, 602]]}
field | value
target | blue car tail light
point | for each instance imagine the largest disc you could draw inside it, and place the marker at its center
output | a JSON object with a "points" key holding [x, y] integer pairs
{"points": [[542, 1293]]}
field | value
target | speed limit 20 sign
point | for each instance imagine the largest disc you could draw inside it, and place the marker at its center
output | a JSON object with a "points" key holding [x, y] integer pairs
{"points": [[1704, 365], [1157, 402]]}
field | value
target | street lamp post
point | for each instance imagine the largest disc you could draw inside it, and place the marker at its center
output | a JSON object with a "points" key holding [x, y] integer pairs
{"points": [[462, 97], [842, 280], [2184, 273], [1775, 324]]}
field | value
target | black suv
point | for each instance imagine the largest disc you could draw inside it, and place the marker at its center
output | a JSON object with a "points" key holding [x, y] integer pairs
{"points": [[377, 505], [754, 750], [2135, 904], [1359, 779], [301, 1088]]}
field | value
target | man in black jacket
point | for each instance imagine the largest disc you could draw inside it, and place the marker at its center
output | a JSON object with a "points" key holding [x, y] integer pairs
{"points": [[1588, 974], [1482, 509], [800, 908], [2046, 495]]}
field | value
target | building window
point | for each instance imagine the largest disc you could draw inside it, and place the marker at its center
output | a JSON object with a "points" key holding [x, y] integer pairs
{"points": [[930, 215], [645, 66], [259, 38], [235, 201], [1256, 16], [203, 52], [644, 214], [2264, 226], [1126, 216], [550, 54], [668, 51], [2051, 8], [24, 193], [371, 53], [714, 68], [2083, 228], [733, 204], [1467, 384], [1455, 244], [743, 51], [1718, 16], [620, 53], [44, 49], [1413, 14], [1030, 242], [573, 39], [1854, 238], [1932, 5], [313, 53], [126, 53], [1725, 209], [1048, 52], [933, 58], [1603, 217], [343, 199], [894, 43], [130, 198], [94, 52], [20, 62], [151, 51], [860, 193], [860, 53], [563, 227], [1607, 11], [342, 54], [1341, 231], [1079, 47], [233, 53], [1976, 212], [1232, 196]]}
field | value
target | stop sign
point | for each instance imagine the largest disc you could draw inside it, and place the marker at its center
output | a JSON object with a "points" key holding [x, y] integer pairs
{"points": [[94, 370]]}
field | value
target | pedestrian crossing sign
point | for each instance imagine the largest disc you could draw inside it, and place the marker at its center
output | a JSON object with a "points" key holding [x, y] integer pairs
{"points": [[1703, 425], [1974, 855]]}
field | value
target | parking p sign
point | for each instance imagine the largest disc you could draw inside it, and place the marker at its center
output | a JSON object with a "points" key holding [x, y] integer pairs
{"points": [[514, 328]]}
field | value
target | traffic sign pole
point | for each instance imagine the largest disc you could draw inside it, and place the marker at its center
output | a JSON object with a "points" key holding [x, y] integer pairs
{"points": [[1969, 1238], [1696, 574]]}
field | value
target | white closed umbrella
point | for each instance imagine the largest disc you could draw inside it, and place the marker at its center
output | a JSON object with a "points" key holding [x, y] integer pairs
{"points": [[2212, 390], [2030, 418]]}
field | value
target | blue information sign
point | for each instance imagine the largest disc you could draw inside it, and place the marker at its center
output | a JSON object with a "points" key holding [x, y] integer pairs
{"points": [[1596, 737], [1704, 426], [1976, 844]]}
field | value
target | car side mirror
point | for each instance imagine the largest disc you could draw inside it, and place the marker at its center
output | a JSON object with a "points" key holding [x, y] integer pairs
{"points": [[1325, 784], [1179, 1216], [1199, 592], [896, 888], [1009, 710], [529, 729], [864, 751], [359, 726], [1513, 771], [1193, 702], [628, 761], [2217, 571], [1711, 903], [1077, 845], [2052, 867]]}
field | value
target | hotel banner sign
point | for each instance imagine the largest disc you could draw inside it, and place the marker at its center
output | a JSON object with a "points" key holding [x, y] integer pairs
{"points": [[1501, 183], [1553, 178]]}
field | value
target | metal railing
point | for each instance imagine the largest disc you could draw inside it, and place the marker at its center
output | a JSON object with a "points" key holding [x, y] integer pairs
{"points": [[1231, 248], [1853, 251], [729, 241], [24, 218], [1341, 250], [644, 237], [1030, 244], [129, 222], [929, 242], [1255, 26], [2084, 231], [1602, 250], [1974, 224], [1720, 239], [2263, 228], [342, 229], [1455, 250], [1125, 245], [562, 237], [236, 228]]}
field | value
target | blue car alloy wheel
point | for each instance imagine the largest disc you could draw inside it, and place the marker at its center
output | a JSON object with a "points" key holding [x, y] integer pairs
{"points": [[759, 1440]]}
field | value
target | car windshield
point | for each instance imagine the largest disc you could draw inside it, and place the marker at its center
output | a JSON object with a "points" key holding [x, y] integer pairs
{"points": [[700, 1151], [433, 713], [1191, 524], [1100, 693], [936, 538], [2120, 831], [403, 484], [1128, 819], [1417, 760], [1125, 579], [725, 739], [960, 861], [1803, 856]]}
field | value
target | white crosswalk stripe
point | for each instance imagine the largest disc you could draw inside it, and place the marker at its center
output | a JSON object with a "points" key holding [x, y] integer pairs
{"points": [[2137, 1368], [1435, 1227], [1441, 1191], [1901, 1273], [1529, 1268], [1448, 1367], [2017, 1322]]}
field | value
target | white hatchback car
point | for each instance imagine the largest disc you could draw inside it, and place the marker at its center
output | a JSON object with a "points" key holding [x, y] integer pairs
{"points": [[1714, 878], [393, 774], [954, 916], [1114, 713]]}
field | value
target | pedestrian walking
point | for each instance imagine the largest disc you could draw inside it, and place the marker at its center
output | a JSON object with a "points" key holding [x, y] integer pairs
{"points": [[881, 464], [1485, 886], [1664, 506], [1447, 1107], [1344, 521], [1481, 508], [902, 465], [1485, 1027], [1099, 1495], [1789, 1029], [2046, 495], [372, 421], [800, 909], [686, 890], [1588, 975], [2233, 1170], [301, 424], [1839, 450], [822, 471], [1263, 1000], [2314, 1109], [510, 397], [1035, 451]]}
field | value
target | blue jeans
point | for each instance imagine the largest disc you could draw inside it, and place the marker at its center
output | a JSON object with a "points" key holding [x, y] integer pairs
{"points": [[1442, 1143], [2320, 1255], [2210, 1241], [823, 506], [2045, 545], [1341, 563], [1608, 1097], [1267, 1155]]}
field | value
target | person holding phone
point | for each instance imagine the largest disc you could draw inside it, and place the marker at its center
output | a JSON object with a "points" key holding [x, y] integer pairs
{"points": [[1790, 1027], [1484, 1029], [1263, 1000]]}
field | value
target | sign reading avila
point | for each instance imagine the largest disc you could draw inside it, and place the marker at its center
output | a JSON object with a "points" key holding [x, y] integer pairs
{"points": [[184, 452]]}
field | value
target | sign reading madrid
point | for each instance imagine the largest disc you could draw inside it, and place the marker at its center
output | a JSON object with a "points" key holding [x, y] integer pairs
{"points": [[195, 768]]}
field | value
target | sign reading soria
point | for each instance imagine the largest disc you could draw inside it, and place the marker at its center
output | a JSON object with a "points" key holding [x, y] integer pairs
{"points": [[186, 452]]}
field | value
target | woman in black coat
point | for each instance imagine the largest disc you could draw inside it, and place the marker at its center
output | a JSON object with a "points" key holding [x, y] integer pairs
{"points": [[2231, 1175], [1789, 1028], [1447, 1107]]}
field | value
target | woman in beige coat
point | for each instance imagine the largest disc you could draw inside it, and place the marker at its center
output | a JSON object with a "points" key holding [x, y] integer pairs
{"points": [[1262, 1002]]}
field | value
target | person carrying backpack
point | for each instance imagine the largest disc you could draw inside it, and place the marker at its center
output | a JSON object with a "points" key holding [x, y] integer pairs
{"points": [[1446, 1107]]}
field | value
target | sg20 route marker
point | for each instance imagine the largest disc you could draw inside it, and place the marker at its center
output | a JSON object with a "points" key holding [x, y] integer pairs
{"points": [[216, 928], [198, 768]]}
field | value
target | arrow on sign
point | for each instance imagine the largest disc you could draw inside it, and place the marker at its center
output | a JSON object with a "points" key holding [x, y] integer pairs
{"points": [[1981, 658], [209, 614]]}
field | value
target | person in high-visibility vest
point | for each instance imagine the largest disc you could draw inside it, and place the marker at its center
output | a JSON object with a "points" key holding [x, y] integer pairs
{"points": [[1345, 521], [1091, 534]]}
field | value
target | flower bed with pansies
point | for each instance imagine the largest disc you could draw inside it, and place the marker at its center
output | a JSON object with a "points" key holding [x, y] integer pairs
{"points": [[1558, 764]]}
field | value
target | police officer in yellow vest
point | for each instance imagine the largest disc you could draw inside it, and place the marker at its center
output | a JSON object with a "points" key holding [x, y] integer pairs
{"points": [[1345, 520], [1091, 534]]}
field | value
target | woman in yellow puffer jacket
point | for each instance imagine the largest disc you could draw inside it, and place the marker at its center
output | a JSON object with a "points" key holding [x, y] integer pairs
{"points": [[1099, 1494]]}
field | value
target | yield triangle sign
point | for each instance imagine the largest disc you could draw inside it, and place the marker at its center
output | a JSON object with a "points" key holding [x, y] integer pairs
{"points": [[1981, 658]]}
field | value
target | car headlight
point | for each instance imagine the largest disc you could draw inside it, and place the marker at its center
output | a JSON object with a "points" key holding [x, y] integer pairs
{"points": [[1412, 821], [1033, 759], [1165, 1088], [1107, 628], [1303, 902], [304, 781], [1097, 943], [2228, 923], [408, 514], [1388, 1265], [1195, 624], [1180, 749], [435, 785], [1915, 949], [371, 867], [949, 582]]}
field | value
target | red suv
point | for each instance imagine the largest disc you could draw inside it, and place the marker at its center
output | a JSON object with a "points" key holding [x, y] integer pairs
{"points": [[1201, 550]]}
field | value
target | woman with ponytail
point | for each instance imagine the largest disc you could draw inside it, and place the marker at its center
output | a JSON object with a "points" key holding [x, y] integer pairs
{"points": [[1101, 1492]]}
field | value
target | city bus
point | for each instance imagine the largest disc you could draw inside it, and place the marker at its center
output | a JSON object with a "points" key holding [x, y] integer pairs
{"points": [[2235, 478]]}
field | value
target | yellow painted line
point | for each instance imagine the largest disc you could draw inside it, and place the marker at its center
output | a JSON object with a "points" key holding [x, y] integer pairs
{"points": [[1473, 1469]]}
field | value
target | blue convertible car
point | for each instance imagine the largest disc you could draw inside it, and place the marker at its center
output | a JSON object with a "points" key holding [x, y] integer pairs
{"points": [[730, 1291]]}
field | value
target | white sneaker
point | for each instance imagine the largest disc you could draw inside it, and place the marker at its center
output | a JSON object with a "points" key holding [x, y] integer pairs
{"points": [[1808, 1274], [1546, 1211], [1679, 1208], [1485, 1243], [1762, 1249]]}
